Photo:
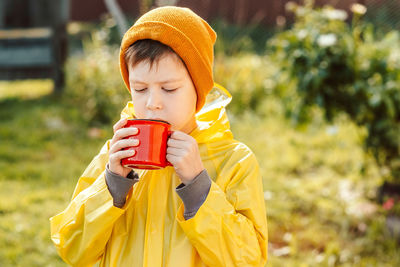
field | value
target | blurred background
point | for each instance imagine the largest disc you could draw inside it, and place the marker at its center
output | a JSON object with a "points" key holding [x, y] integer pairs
{"points": [[316, 96]]}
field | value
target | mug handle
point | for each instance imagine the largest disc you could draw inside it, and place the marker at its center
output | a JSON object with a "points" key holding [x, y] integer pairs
{"points": [[169, 135]]}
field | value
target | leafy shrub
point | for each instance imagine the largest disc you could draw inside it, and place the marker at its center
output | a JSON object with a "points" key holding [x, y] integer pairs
{"points": [[343, 68], [94, 82], [248, 77]]}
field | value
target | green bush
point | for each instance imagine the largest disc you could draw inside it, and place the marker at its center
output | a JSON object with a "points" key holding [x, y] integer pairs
{"points": [[345, 68], [94, 82], [248, 77]]}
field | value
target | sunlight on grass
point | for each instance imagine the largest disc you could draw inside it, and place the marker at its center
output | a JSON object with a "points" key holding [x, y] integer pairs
{"points": [[25, 89]]}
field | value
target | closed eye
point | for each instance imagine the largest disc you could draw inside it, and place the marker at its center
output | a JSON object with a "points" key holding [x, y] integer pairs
{"points": [[169, 90], [140, 90]]}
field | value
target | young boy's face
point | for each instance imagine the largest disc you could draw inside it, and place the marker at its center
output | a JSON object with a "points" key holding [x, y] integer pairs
{"points": [[165, 92]]}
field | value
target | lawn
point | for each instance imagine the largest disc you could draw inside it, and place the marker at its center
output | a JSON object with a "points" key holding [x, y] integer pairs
{"points": [[44, 147], [319, 184]]}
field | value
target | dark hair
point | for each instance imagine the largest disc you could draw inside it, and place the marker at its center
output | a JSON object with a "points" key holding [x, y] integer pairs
{"points": [[147, 49]]}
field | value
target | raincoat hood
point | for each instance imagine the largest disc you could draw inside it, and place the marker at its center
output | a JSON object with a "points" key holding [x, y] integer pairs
{"points": [[229, 228]]}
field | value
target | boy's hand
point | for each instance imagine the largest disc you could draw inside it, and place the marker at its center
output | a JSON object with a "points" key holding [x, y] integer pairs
{"points": [[183, 154], [117, 143]]}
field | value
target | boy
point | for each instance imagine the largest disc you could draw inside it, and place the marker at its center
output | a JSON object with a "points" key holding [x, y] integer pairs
{"points": [[205, 210]]}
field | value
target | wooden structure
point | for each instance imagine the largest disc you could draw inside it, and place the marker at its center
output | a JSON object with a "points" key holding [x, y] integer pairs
{"points": [[33, 39]]}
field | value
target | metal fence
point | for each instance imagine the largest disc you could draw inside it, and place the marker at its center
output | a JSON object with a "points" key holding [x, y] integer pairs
{"points": [[385, 14]]}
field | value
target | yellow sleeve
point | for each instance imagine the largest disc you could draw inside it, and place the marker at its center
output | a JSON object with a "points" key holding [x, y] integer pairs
{"points": [[230, 228], [80, 232]]}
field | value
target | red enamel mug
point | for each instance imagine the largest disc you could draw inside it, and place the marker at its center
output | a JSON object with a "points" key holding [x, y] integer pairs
{"points": [[152, 149]]}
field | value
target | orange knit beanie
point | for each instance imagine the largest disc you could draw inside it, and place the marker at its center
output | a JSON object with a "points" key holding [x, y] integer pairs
{"points": [[187, 34]]}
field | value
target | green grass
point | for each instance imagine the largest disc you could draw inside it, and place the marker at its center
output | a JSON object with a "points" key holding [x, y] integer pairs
{"points": [[44, 148], [318, 183]]}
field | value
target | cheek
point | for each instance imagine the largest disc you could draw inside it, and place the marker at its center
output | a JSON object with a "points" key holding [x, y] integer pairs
{"points": [[180, 109], [187, 103], [139, 105], [191, 98]]}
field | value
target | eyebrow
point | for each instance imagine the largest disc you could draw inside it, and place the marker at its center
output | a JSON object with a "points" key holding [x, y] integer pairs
{"points": [[165, 81]]}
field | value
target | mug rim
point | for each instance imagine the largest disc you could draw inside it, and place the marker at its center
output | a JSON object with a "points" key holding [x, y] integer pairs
{"points": [[149, 120]]}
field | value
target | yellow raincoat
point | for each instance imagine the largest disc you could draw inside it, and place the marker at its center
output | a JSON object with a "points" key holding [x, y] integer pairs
{"points": [[229, 229]]}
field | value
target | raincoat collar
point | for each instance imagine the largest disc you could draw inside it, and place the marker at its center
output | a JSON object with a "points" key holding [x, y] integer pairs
{"points": [[212, 120]]}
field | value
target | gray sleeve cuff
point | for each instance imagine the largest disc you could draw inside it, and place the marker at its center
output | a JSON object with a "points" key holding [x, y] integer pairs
{"points": [[119, 186], [194, 194]]}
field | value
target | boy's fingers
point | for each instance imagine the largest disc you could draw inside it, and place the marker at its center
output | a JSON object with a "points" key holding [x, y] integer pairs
{"points": [[123, 143], [118, 156], [119, 124], [122, 133], [172, 158], [175, 143], [174, 151], [179, 135], [125, 132]]}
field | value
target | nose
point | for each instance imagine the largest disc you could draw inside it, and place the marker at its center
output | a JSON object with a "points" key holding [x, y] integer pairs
{"points": [[154, 100]]}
